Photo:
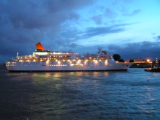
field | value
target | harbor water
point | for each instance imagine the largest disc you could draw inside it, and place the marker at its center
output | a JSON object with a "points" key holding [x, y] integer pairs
{"points": [[132, 94]]}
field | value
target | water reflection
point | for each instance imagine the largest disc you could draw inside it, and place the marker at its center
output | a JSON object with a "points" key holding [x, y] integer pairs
{"points": [[61, 92], [156, 74], [80, 95], [148, 101]]}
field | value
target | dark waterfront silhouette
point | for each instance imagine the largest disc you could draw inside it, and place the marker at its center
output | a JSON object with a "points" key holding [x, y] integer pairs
{"points": [[133, 94]]}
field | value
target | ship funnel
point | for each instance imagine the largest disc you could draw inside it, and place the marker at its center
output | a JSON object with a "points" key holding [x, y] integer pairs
{"points": [[39, 46]]}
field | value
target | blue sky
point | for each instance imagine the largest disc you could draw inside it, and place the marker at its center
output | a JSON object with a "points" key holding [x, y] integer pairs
{"points": [[130, 28]]}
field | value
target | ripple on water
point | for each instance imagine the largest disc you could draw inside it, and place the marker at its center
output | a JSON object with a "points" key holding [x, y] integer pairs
{"points": [[80, 95]]}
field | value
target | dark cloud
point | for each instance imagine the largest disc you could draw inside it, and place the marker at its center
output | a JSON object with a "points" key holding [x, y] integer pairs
{"points": [[30, 14], [26, 22], [158, 38], [73, 45], [91, 32], [23, 23], [143, 50], [66, 5]]}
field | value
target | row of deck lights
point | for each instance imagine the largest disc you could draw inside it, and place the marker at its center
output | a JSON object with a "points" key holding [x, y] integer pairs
{"points": [[96, 61], [78, 62], [70, 60], [30, 57], [50, 57], [62, 53]]}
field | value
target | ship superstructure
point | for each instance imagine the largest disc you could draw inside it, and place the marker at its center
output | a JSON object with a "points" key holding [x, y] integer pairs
{"points": [[44, 60]]}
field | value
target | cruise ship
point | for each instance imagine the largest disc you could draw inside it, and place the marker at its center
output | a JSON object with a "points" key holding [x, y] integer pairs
{"points": [[45, 60]]}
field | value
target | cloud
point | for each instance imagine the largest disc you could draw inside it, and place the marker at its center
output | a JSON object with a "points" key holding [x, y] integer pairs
{"points": [[89, 32], [115, 2], [143, 50], [158, 38], [73, 45], [24, 23], [30, 14], [107, 14], [110, 13], [95, 31], [127, 40], [133, 13], [53, 22], [97, 19]]}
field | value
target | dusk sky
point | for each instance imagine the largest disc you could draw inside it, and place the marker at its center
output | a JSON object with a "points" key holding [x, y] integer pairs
{"points": [[130, 28]]}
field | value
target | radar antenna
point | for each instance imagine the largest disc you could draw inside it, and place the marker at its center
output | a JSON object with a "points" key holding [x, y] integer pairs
{"points": [[99, 48]]}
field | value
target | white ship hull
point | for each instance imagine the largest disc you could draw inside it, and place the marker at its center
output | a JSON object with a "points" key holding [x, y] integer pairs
{"points": [[42, 66]]}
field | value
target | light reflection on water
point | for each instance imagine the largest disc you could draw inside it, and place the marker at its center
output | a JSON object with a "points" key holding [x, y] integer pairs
{"points": [[80, 95]]}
